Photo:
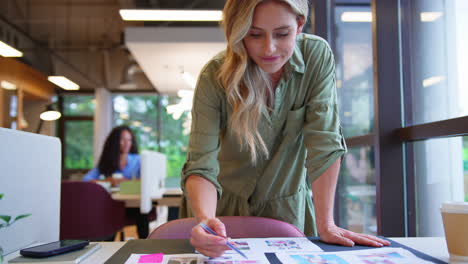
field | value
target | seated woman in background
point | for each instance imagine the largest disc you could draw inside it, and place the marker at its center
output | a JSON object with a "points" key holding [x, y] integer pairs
{"points": [[119, 156]]}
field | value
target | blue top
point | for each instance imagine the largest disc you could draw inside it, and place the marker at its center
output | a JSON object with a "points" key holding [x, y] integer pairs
{"points": [[132, 167]]}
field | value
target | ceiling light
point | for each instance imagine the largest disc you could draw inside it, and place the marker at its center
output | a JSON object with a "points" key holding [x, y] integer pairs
{"points": [[433, 80], [8, 85], [170, 15], [430, 16], [185, 93], [356, 17], [50, 114], [8, 51], [63, 82]]}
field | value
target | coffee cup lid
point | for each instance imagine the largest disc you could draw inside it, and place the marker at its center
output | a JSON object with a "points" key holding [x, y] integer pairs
{"points": [[455, 207]]}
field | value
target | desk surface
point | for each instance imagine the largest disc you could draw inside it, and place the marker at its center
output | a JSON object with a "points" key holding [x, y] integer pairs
{"points": [[171, 197], [433, 246]]}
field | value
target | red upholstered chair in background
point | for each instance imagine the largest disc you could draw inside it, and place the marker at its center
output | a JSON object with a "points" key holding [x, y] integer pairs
{"points": [[87, 211], [236, 226]]}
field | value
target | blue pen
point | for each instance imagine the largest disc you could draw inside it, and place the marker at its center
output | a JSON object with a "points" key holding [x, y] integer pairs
{"points": [[229, 244]]}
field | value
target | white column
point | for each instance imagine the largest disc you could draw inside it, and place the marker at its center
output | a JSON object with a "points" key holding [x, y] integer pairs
{"points": [[102, 120]]}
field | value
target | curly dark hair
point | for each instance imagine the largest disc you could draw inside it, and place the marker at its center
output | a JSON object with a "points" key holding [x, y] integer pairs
{"points": [[109, 160]]}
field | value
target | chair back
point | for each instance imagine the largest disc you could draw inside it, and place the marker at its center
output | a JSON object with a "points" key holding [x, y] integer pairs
{"points": [[87, 211], [236, 227]]}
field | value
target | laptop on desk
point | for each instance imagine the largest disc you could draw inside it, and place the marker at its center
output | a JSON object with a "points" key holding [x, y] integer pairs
{"points": [[30, 175]]}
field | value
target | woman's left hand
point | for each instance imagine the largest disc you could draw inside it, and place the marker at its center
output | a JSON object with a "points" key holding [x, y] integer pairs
{"points": [[333, 234]]}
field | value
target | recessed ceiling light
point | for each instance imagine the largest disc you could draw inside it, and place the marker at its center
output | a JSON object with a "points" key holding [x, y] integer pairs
{"points": [[8, 85], [430, 16], [63, 82], [170, 15], [356, 17], [432, 80], [8, 51]]}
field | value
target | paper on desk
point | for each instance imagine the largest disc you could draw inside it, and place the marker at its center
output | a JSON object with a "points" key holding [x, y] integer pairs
{"points": [[151, 258], [387, 255], [145, 258], [290, 244], [200, 259], [225, 259]]}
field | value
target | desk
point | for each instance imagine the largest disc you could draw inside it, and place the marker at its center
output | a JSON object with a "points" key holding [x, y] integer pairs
{"points": [[433, 246], [171, 198]]}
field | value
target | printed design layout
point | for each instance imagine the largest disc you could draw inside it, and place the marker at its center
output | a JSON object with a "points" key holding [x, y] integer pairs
{"points": [[369, 257], [380, 258], [241, 245], [183, 260], [229, 260], [318, 259], [283, 244]]}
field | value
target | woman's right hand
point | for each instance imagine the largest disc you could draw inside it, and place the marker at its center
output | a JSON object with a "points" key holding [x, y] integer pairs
{"points": [[208, 244]]}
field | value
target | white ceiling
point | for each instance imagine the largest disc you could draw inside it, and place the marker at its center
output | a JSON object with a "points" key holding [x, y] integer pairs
{"points": [[164, 52]]}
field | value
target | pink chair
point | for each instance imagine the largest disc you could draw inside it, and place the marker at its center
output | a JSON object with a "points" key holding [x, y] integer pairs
{"points": [[236, 226]]}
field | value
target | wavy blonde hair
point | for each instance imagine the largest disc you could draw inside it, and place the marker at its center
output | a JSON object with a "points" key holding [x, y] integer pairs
{"points": [[248, 88]]}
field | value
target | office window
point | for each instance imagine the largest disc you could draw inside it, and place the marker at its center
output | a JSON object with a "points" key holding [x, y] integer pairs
{"points": [[77, 124], [441, 174], [79, 144], [435, 41], [435, 67], [356, 191], [465, 166], [353, 56], [154, 128], [82, 105]]}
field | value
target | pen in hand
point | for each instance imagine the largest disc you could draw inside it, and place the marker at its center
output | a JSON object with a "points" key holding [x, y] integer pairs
{"points": [[229, 244]]}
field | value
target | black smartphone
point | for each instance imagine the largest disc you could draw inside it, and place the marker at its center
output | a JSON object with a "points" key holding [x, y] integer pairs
{"points": [[54, 248]]}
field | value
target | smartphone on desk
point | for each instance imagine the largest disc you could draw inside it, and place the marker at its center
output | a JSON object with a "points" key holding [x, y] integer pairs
{"points": [[54, 248]]}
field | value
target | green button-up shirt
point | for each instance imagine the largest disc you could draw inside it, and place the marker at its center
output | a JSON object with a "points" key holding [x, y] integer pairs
{"points": [[302, 134]]}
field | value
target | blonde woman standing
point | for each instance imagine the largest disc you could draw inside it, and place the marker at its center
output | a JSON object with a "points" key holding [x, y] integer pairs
{"points": [[266, 127]]}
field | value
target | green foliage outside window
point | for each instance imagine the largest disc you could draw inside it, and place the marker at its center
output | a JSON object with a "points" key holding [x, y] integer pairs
{"points": [[82, 105], [79, 134], [79, 144]]}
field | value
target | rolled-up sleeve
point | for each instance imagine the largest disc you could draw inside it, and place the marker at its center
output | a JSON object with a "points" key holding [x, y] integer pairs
{"points": [[322, 132], [204, 143]]}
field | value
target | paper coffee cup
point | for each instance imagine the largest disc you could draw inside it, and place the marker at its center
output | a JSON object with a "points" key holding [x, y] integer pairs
{"points": [[117, 175], [455, 218]]}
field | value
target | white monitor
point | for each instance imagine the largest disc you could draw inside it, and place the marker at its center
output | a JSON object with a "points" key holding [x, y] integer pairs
{"points": [[153, 175], [30, 166]]}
